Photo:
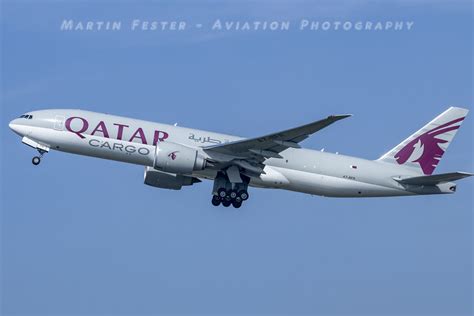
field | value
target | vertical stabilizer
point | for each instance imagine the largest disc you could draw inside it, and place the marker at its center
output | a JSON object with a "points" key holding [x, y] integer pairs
{"points": [[424, 149]]}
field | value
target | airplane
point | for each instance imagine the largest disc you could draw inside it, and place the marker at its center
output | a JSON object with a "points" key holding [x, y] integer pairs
{"points": [[175, 156]]}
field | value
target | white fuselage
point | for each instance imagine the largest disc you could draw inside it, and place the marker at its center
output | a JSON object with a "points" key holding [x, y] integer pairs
{"points": [[134, 141]]}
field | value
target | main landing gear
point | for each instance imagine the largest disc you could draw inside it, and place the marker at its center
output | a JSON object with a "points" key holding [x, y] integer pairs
{"points": [[227, 193], [37, 159], [230, 197]]}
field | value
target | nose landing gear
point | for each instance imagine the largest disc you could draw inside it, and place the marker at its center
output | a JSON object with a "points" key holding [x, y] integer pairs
{"points": [[37, 159]]}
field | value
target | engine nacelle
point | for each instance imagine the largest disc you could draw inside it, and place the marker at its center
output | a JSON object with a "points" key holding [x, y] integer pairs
{"points": [[165, 180], [176, 158]]}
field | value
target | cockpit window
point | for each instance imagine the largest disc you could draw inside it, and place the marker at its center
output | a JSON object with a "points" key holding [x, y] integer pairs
{"points": [[26, 116]]}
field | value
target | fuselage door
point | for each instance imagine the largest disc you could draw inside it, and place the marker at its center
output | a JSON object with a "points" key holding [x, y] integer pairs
{"points": [[59, 122]]}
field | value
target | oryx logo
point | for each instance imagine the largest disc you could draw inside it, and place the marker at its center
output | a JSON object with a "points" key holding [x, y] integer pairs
{"points": [[173, 155], [425, 148]]}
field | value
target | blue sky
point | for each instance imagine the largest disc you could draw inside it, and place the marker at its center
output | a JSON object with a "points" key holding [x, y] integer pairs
{"points": [[85, 236]]}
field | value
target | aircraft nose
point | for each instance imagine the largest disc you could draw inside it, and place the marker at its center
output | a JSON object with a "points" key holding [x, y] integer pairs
{"points": [[16, 126], [12, 124]]}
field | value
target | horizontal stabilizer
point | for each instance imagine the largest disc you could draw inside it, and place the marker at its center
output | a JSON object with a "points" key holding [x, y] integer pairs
{"points": [[435, 179]]}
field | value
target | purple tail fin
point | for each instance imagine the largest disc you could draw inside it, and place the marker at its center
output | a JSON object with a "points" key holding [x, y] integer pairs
{"points": [[424, 149]]}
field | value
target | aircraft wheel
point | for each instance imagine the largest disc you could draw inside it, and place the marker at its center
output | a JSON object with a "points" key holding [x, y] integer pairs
{"points": [[36, 160], [244, 195], [216, 201], [236, 204], [227, 196], [222, 193], [233, 194], [226, 203]]}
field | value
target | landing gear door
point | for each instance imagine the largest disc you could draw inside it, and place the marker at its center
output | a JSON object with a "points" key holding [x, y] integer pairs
{"points": [[59, 122]]}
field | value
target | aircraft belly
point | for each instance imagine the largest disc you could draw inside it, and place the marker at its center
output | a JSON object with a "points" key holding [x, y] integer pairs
{"points": [[330, 186]]}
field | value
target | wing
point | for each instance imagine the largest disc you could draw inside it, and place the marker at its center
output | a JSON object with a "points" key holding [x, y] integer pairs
{"points": [[270, 145], [248, 155]]}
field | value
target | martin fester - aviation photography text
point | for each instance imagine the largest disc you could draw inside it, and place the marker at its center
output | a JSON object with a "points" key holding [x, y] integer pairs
{"points": [[219, 25]]}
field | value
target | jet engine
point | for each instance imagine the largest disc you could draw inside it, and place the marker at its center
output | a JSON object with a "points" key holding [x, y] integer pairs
{"points": [[165, 180], [176, 158]]}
